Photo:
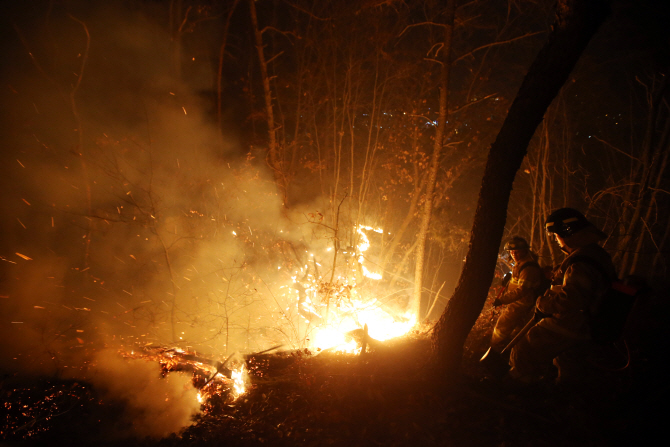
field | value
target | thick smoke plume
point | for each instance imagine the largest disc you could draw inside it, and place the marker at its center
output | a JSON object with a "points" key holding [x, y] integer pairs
{"points": [[128, 218], [154, 406]]}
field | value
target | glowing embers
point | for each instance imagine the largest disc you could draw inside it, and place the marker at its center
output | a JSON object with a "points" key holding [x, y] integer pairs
{"points": [[234, 381], [224, 381]]}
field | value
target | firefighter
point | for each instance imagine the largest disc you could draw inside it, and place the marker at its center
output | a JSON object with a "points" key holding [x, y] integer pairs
{"points": [[520, 295], [562, 335]]}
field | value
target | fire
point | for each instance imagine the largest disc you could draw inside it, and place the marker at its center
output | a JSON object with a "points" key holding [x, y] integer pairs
{"points": [[341, 307], [239, 376], [210, 377], [363, 246], [381, 326], [329, 338]]}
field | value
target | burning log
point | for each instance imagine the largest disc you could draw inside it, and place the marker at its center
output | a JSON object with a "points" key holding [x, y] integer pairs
{"points": [[221, 369], [175, 359]]}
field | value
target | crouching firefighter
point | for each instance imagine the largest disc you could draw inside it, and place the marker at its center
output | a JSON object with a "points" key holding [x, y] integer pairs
{"points": [[519, 299], [562, 335]]}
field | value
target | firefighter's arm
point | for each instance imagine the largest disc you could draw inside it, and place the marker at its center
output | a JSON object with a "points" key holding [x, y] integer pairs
{"points": [[529, 281], [579, 283]]}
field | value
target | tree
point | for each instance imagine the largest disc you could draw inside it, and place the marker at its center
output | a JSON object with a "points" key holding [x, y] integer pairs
{"points": [[269, 110], [575, 23], [435, 160]]}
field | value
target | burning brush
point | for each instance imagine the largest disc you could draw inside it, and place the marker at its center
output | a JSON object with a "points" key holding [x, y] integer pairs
{"points": [[210, 377]]}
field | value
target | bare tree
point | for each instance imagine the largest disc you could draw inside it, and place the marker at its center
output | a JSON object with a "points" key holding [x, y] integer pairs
{"points": [[576, 22], [435, 159], [273, 150]]}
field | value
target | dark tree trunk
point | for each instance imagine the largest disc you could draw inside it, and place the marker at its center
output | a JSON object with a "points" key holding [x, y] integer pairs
{"points": [[576, 22]]}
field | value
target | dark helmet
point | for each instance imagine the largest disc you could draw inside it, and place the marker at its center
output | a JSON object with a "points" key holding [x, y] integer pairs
{"points": [[517, 243], [565, 222]]}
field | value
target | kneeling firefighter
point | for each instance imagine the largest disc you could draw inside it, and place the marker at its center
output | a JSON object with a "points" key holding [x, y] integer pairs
{"points": [[562, 336], [520, 295]]}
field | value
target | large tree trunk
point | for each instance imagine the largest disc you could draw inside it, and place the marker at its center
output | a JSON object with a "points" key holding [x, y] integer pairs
{"points": [[576, 22]]}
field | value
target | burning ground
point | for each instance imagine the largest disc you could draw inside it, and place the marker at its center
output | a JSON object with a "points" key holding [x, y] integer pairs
{"points": [[385, 396]]}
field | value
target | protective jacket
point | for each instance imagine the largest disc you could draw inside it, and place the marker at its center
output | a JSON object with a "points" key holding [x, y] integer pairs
{"points": [[522, 288], [578, 288], [520, 296]]}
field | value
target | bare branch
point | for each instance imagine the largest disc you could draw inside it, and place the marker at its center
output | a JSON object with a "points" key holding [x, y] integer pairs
{"points": [[439, 46], [432, 60], [283, 33], [294, 6], [659, 190], [476, 101], [493, 44], [616, 149], [183, 23], [273, 58], [441, 25]]}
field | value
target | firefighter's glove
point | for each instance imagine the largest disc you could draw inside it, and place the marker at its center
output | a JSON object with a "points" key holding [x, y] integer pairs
{"points": [[539, 314], [506, 279], [497, 302]]}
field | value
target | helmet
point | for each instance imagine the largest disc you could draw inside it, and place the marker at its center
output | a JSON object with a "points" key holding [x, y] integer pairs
{"points": [[517, 243], [565, 222]]}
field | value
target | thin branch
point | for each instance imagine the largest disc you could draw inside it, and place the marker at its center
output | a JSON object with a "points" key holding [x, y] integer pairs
{"points": [[476, 101], [439, 46], [183, 23], [273, 58], [283, 33], [493, 44], [294, 6], [615, 148], [441, 25]]}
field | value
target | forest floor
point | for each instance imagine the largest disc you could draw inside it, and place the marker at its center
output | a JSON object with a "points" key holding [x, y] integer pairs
{"points": [[384, 398]]}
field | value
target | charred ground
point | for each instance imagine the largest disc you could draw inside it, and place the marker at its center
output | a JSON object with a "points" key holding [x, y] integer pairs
{"points": [[385, 397]]}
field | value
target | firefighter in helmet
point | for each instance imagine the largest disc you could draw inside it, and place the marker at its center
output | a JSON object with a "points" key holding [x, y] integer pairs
{"points": [[562, 335], [520, 295]]}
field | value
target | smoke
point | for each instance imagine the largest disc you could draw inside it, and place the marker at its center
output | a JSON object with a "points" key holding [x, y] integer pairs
{"points": [[128, 217], [154, 406]]}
